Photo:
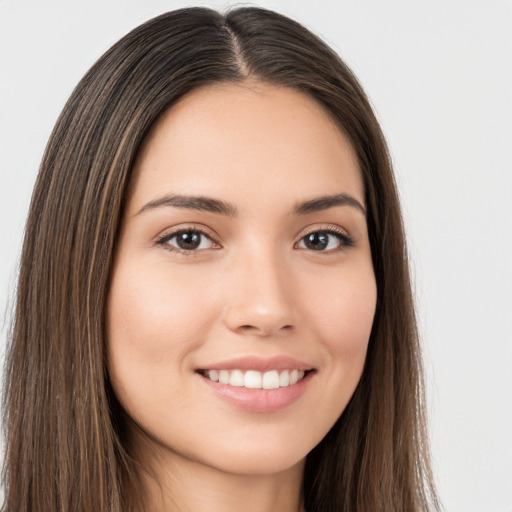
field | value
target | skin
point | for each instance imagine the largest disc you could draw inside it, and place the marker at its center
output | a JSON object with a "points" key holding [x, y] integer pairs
{"points": [[252, 288]]}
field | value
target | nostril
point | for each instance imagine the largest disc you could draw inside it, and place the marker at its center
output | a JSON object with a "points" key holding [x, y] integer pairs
{"points": [[253, 320], [248, 327], [262, 330]]}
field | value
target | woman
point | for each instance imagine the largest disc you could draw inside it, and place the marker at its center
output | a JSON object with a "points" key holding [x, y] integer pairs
{"points": [[214, 307]]}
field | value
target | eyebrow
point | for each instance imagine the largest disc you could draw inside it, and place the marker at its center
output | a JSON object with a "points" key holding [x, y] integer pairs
{"points": [[208, 204], [205, 204], [325, 202]]}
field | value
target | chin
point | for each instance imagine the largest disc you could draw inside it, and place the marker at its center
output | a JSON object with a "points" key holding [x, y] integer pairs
{"points": [[265, 454], [262, 464]]}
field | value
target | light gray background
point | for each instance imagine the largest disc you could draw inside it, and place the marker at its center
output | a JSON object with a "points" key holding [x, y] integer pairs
{"points": [[439, 74]]}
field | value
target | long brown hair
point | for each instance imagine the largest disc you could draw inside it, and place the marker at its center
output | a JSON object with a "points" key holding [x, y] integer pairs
{"points": [[65, 449]]}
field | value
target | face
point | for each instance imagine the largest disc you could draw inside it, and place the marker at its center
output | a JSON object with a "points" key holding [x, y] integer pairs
{"points": [[243, 291]]}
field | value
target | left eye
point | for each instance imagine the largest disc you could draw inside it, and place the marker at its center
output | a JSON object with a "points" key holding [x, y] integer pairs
{"points": [[323, 241], [189, 240]]}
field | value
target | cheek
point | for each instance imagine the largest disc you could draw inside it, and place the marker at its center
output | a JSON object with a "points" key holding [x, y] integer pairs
{"points": [[154, 322], [342, 310], [342, 315], [150, 311]]}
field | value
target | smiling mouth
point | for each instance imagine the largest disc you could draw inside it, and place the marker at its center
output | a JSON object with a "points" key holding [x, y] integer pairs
{"points": [[253, 379]]}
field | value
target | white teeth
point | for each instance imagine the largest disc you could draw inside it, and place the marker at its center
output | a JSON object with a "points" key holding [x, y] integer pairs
{"points": [[270, 380], [253, 379], [236, 378], [284, 378]]}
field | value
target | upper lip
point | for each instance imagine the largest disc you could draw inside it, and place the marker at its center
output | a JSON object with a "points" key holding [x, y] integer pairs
{"points": [[261, 364]]}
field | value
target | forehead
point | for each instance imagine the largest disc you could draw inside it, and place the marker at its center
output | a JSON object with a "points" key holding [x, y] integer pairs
{"points": [[246, 139]]}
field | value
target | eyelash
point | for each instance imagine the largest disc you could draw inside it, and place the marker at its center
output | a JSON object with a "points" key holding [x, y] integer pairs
{"points": [[164, 239], [345, 241]]}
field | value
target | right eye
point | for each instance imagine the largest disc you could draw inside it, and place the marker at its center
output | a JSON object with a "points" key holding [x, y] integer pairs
{"points": [[188, 240]]}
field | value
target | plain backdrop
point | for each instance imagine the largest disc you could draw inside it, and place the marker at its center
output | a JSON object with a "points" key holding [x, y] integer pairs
{"points": [[439, 75]]}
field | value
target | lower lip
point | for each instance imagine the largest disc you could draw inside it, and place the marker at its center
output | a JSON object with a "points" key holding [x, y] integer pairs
{"points": [[259, 400]]}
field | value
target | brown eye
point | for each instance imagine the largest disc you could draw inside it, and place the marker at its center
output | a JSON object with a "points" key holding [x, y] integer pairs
{"points": [[324, 241], [317, 241], [189, 240]]}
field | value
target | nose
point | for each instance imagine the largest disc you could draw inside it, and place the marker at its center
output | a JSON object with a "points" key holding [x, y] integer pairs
{"points": [[260, 302]]}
